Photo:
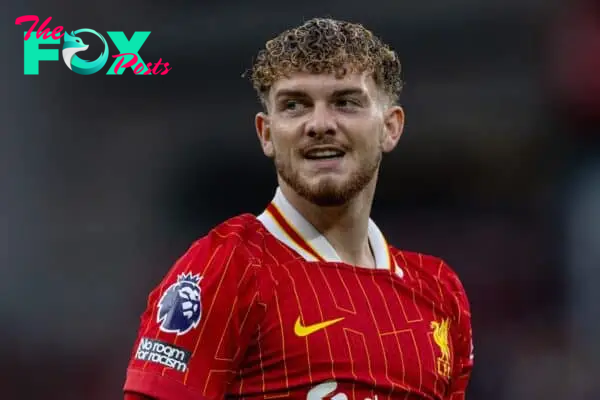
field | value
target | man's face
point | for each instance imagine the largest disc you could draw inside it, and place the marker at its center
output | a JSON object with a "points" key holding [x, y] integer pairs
{"points": [[326, 135]]}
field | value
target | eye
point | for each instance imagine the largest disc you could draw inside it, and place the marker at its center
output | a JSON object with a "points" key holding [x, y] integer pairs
{"points": [[291, 105], [347, 103]]}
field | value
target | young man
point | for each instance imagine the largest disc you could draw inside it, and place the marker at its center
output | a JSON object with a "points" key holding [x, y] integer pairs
{"points": [[307, 300]]}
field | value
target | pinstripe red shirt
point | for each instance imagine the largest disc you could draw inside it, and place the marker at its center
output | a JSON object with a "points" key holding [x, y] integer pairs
{"points": [[262, 307]]}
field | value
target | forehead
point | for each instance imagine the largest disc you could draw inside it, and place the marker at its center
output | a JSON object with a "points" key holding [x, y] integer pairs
{"points": [[323, 84]]}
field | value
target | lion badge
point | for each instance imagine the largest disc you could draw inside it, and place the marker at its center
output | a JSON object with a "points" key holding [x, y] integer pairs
{"points": [[180, 307]]}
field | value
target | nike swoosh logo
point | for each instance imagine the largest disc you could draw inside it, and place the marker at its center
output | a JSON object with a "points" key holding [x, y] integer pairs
{"points": [[301, 330]]}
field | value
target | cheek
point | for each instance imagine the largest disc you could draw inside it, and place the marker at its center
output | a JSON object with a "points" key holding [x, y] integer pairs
{"points": [[369, 138], [283, 148], [284, 139]]}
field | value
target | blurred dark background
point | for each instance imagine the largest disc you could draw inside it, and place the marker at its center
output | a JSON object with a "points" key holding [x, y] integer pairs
{"points": [[107, 179]]}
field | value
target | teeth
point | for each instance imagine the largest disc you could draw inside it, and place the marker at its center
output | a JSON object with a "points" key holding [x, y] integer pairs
{"points": [[324, 153]]}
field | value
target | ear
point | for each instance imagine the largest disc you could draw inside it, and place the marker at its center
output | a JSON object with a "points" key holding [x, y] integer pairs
{"points": [[263, 130], [393, 127]]}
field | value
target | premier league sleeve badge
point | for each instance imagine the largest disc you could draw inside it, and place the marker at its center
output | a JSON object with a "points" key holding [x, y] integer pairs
{"points": [[180, 307]]}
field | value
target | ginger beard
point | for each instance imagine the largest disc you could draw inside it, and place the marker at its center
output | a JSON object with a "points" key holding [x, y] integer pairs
{"points": [[327, 190]]}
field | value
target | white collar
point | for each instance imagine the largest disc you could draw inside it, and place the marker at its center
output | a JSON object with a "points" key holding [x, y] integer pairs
{"points": [[284, 222]]}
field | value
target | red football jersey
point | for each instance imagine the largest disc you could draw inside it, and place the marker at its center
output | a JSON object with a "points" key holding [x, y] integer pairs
{"points": [[263, 307]]}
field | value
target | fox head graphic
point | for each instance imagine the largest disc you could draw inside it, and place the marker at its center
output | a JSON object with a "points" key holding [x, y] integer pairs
{"points": [[73, 44]]}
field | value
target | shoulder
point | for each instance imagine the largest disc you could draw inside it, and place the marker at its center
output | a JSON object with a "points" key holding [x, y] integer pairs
{"points": [[242, 228], [219, 265], [238, 237], [433, 271], [426, 264]]}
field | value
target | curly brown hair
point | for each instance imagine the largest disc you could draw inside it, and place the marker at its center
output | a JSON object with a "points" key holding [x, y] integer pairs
{"points": [[323, 45]]}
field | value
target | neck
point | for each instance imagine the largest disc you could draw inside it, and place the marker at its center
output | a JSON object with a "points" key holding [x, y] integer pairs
{"points": [[345, 226]]}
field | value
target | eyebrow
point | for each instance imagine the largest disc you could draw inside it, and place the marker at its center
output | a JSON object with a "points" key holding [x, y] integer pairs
{"points": [[349, 92], [337, 93], [290, 93]]}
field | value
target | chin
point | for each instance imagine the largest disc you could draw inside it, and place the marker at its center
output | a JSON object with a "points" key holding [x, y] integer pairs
{"points": [[328, 191], [327, 188]]}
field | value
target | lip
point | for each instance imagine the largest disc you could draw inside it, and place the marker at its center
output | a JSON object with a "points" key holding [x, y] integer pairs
{"points": [[326, 164], [323, 147]]}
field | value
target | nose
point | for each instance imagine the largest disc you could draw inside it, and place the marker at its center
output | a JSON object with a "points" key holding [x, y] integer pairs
{"points": [[321, 122]]}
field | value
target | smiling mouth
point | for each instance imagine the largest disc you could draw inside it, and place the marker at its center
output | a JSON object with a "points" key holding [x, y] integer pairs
{"points": [[324, 154]]}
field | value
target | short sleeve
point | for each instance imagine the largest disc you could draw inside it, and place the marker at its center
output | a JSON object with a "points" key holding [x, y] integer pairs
{"points": [[197, 324]]}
